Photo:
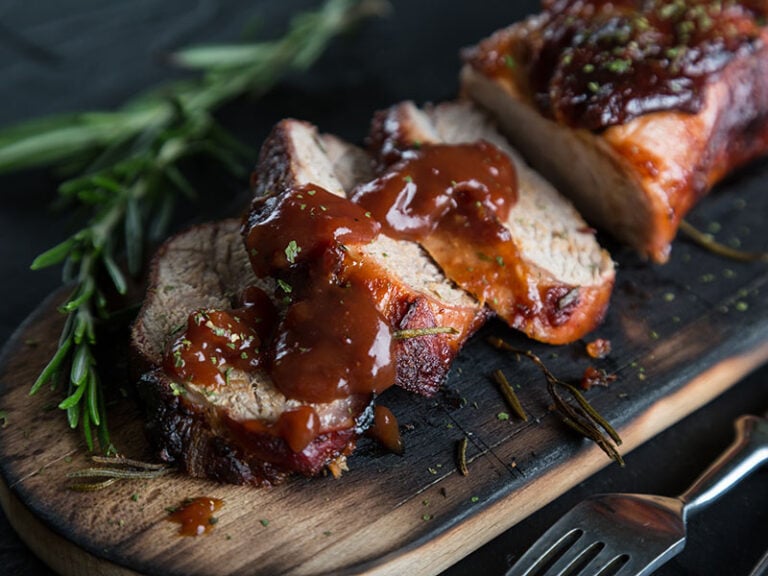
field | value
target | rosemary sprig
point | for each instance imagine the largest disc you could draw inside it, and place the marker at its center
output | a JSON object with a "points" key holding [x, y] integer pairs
{"points": [[129, 178], [581, 416]]}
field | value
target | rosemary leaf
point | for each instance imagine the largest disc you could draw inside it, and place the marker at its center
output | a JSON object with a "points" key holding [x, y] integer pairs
{"points": [[92, 383], [72, 401], [53, 255], [52, 366], [86, 426], [222, 56], [707, 242], [115, 274], [509, 395], [93, 486], [462, 456], [122, 461], [133, 234], [81, 364], [117, 473], [419, 332]]}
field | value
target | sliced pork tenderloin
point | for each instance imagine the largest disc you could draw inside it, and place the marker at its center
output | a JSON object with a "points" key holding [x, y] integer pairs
{"points": [[223, 432], [410, 291], [542, 271]]}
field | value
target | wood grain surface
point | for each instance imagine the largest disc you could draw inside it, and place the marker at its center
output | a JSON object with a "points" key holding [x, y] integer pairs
{"points": [[681, 335]]}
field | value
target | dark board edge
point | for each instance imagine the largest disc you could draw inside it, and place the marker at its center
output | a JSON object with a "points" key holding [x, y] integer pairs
{"points": [[59, 553]]}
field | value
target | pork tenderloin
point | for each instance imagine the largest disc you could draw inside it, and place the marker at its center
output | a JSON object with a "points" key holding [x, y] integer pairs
{"points": [[555, 286], [649, 122]]}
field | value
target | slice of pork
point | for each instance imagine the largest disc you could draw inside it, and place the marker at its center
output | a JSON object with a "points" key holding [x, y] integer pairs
{"points": [[206, 432], [559, 288], [412, 293]]}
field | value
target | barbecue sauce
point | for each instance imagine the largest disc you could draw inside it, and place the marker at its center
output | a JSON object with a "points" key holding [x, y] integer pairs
{"points": [[195, 515], [417, 194], [597, 63], [330, 343], [385, 429], [454, 201], [218, 341], [294, 229], [333, 341]]}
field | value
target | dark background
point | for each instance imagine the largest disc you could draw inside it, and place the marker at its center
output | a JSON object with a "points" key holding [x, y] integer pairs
{"points": [[70, 55]]}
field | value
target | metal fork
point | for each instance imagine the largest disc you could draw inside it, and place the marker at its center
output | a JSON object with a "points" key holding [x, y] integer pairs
{"points": [[634, 534]]}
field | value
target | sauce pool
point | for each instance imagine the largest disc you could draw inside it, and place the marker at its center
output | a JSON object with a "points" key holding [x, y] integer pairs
{"points": [[196, 515]]}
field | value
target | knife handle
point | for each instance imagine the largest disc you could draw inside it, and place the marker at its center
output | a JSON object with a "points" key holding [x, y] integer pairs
{"points": [[747, 452]]}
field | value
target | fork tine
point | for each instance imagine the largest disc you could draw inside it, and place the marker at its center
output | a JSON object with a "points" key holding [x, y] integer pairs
{"points": [[607, 562], [575, 558], [548, 548]]}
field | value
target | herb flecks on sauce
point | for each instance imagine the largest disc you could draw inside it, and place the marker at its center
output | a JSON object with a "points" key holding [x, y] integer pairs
{"points": [[601, 62], [330, 341]]}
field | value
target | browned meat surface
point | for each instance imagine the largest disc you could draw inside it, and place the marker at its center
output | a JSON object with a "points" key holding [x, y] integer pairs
{"points": [[635, 108]]}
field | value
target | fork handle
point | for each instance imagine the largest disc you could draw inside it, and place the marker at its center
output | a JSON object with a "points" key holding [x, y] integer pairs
{"points": [[747, 452]]}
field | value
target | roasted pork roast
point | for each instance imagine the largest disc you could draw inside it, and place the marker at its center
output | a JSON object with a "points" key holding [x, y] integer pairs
{"points": [[634, 108]]}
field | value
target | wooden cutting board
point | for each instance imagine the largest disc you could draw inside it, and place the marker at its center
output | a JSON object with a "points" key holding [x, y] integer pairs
{"points": [[681, 334]]}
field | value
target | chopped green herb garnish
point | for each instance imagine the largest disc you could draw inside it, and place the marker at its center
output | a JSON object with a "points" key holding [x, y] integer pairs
{"points": [[264, 522], [285, 286], [177, 390], [619, 66], [291, 251]]}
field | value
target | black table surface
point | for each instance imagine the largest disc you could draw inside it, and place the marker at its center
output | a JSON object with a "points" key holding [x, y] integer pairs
{"points": [[68, 55]]}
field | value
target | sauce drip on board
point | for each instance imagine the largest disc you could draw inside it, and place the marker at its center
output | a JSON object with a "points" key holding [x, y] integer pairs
{"points": [[596, 63], [196, 515], [385, 429]]}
